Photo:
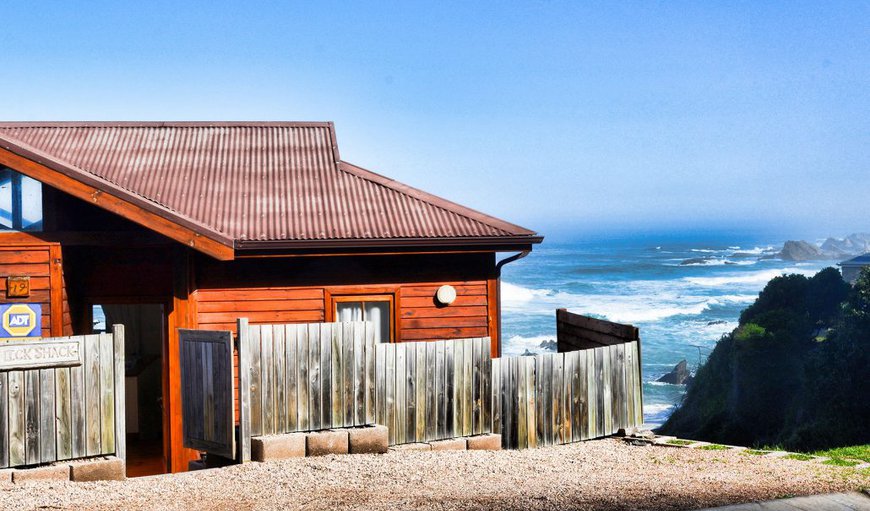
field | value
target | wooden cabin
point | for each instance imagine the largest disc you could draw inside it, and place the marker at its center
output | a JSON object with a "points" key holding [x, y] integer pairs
{"points": [[160, 226]]}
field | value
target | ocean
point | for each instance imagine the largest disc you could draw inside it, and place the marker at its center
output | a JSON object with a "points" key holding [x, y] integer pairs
{"points": [[681, 309]]}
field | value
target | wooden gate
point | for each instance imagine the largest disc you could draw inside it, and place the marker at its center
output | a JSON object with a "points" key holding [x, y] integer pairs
{"points": [[208, 409]]}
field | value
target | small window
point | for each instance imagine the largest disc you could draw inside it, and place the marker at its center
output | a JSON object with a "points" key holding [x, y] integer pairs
{"points": [[375, 308], [20, 202]]}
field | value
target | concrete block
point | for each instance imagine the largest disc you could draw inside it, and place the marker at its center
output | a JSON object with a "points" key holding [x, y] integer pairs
{"points": [[368, 440], [278, 447], [48, 473], [6, 475], [451, 444], [110, 468], [412, 447], [321, 443], [488, 442]]}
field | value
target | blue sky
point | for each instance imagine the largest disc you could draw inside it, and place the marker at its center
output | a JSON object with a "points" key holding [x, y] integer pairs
{"points": [[566, 117]]}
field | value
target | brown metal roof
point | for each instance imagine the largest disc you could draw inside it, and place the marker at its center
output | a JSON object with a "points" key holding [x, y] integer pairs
{"points": [[254, 184]]}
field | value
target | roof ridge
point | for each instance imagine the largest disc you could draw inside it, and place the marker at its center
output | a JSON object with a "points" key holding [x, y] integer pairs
{"points": [[434, 200], [159, 124]]}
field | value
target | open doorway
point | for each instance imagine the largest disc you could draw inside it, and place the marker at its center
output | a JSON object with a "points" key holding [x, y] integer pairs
{"points": [[144, 339]]}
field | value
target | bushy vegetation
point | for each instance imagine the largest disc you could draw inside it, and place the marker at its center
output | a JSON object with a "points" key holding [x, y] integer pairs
{"points": [[795, 373]]}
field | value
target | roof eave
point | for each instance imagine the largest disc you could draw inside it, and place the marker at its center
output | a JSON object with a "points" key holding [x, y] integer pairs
{"points": [[459, 243]]}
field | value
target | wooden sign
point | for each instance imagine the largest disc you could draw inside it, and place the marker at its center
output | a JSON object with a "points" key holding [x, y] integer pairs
{"points": [[37, 354], [17, 287]]}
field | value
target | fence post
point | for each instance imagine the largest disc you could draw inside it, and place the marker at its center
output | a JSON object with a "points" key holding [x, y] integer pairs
{"points": [[244, 454], [120, 394]]}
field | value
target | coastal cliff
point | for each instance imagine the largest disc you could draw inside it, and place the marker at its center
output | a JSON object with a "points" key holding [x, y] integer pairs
{"points": [[793, 373]]}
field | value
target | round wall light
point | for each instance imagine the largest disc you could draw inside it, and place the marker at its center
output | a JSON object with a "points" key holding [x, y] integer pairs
{"points": [[446, 294]]}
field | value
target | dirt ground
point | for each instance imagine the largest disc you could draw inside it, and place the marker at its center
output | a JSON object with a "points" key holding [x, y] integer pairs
{"points": [[602, 474]]}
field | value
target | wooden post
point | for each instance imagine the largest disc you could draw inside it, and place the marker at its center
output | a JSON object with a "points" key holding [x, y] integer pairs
{"points": [[120, 394], [244, 454]]}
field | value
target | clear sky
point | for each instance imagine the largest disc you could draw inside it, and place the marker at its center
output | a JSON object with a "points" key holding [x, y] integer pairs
{"points": [[565, 117]]}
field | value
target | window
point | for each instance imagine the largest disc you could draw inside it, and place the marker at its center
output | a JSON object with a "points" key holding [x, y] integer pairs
{"points": [[375, 308], [20, 202]]}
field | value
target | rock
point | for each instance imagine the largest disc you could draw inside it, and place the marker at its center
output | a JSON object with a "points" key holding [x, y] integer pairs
{"points": [[549, 345], [695, 260], [800, 251], [528, 353], [717, 322], [679, 375]]}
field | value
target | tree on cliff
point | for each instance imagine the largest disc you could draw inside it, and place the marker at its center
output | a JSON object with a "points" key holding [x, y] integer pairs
{"points": [[775, 380]]}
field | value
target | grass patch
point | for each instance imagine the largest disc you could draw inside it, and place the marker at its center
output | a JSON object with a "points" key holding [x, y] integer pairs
{"points": [[714, 447], [677, 441], [839, 462], [755, 452], [855, 452], [798, 456]]}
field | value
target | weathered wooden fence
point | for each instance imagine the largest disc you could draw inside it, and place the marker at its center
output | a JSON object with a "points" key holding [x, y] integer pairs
{"points": [[434, 390], [559, 398], [62, 398]]}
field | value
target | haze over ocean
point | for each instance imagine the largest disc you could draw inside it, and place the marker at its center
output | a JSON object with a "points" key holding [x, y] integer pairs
{"points": [[681, 310]]}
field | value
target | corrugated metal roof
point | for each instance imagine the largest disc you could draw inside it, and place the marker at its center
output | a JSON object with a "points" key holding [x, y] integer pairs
{"points": [[253, 181]]}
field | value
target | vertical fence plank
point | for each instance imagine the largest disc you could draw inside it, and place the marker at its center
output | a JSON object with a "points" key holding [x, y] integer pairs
{"points": [[419, 426], [529, 390], [592, 392], [348, 358], [31, 416], [118, 375], [337, 372], [370, 380], [107, 394], [449, 389], [475, 386], [244, 454], [256, 369], [608, 390], [638, 383], [486, 386], [303, 391], [315, 386], [458, 378], [556, 385], [508, 403], [620, 403], [578, 394], [522, 415], [495, 396], [291, 377], [77, 405], [431, 404], [414, 426], [17, 424], [279, 356], [47, 423], [390, 385], [440, 395], [467, 391], [381, 386], [567, 415], [540, 398], [629, 386], [326, 375], [4, 419], [359, 372], [401, 394], [92, 394]]}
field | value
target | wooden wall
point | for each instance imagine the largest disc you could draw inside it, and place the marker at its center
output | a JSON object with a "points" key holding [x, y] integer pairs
{"points": [[298, 290], [42, 262]]}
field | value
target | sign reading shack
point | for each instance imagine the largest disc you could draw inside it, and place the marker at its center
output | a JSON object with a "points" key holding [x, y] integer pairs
{"points": [[32, 355]]}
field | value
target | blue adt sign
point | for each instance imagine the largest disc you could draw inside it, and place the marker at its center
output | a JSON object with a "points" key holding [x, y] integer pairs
{"points": [[21, 320]]}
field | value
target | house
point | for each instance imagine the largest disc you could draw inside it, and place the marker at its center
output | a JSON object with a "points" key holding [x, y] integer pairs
{"points": [[161, 226], [851, 268]]}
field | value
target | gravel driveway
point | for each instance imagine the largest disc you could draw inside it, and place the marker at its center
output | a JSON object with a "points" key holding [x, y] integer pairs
{"points": [[602, 474]]}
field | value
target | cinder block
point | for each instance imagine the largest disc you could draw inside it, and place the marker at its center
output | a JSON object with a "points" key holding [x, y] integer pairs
{"points": [[488, 442], [49, 473], [6, 475], [369, 440], [451, 444], [321, 443], [412, 447], [110, 468], [278, 447]]}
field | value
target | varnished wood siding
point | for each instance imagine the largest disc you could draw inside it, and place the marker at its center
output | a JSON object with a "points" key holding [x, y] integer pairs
{"points": [[35, 261], [421, 318]]}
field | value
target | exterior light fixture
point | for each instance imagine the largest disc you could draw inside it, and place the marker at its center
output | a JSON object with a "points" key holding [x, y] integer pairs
{"points": [[446, 294]]}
